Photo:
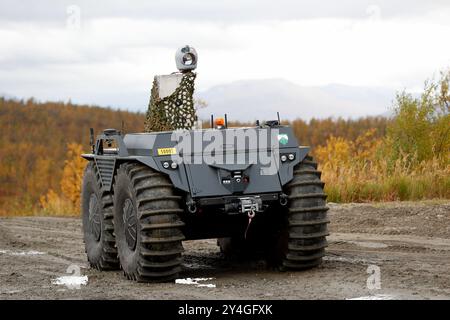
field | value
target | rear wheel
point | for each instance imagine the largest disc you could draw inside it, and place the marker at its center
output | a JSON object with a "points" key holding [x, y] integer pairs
{"points": [[147, 224], [97, 211], [234, 247], [250, 246], [302, 241]]}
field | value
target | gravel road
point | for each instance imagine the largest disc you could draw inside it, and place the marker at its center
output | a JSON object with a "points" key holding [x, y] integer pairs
{"points": [[406, 243]]}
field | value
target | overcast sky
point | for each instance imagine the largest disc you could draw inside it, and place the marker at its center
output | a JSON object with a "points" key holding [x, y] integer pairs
{"points": [[107, 52]]}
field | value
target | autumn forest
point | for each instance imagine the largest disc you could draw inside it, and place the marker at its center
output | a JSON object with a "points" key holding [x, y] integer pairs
{"points": [[405, 157]]}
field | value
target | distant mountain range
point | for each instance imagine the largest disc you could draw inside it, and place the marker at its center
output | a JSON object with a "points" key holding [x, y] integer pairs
{"points": [[248, 100], [261, 99]]}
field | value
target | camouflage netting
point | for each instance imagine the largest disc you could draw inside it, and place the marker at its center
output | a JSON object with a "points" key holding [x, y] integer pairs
{"points": [[175, 111]]}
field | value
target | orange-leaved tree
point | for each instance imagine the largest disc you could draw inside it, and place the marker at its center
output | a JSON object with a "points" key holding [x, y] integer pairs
{"points": [[68, 202], [73, 174]]}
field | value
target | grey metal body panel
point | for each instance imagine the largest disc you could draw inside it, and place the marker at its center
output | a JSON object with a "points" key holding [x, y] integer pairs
{"points": [[197, 173]]}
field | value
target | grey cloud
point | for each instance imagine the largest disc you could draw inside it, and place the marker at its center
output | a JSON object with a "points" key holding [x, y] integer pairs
{"points": [[235, 10]]}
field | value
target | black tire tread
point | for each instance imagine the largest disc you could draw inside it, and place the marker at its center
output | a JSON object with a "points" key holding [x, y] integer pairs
{"points": [[162, 225], [109, 259], [148, 253], [309, 209], [159, 212], [316, 246], [307, 218], [158, 208], [295, 223]]}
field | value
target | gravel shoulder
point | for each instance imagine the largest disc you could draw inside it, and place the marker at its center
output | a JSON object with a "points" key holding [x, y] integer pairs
{"points": [[408, 242]]}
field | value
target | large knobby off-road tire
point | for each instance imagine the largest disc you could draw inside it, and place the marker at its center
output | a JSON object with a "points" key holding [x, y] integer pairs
{"points": [[97, 211], [147, 224], [303, 240]]}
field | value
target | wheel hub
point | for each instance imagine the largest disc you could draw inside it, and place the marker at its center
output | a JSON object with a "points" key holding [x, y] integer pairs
{"points": [[94, 217], [130, 223]]}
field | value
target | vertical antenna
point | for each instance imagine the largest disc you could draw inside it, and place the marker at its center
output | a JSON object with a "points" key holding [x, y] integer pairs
{"points": [[91, 139], [278, 116], [212, 121], [226, 121]]}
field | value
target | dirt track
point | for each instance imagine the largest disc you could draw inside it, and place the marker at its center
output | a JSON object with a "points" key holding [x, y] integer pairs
{"points": [[409, 242]]}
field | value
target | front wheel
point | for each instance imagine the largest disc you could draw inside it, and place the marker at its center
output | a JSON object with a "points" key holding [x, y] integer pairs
{"points": [[302, 240], [147, 224]]}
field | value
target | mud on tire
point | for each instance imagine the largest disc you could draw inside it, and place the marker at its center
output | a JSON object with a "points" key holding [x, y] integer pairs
{"points": [[97, 212], [147, 224], [303, 241]]}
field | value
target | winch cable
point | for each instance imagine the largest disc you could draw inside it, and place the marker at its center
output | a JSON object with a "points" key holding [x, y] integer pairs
{"points": [[251, 215]]}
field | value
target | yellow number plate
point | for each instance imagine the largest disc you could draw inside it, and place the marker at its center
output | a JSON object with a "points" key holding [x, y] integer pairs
{"points": [[166, 151]]}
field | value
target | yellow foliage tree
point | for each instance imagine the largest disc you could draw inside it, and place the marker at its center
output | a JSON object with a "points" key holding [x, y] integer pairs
{"points": [[53, 204], [73, 174]]}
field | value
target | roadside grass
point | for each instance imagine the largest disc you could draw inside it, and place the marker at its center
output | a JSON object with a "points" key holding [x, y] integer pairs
{"points": [[355, 175]]}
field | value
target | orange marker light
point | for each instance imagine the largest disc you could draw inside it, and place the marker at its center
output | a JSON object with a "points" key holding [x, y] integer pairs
{"points": [[220, 122]]}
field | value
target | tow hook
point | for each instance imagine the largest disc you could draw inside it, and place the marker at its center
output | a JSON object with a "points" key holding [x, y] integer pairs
{"points": [[192, 208], [191, 205], [283, 199]]}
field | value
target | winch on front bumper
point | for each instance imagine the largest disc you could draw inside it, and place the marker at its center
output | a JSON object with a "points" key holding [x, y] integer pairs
{"points": [[237, 204]]}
